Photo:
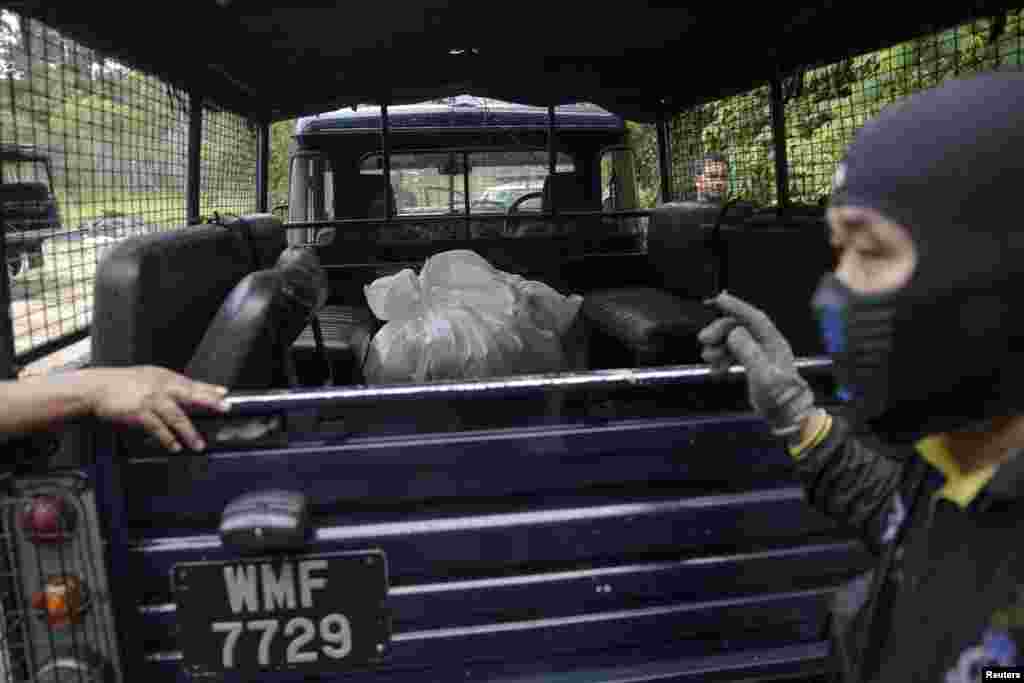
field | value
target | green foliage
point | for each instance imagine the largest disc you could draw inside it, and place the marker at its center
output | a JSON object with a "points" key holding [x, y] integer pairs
{"points": [[98, 119], [281, 134], [824, 110], [160, 208], [116, 138], [643, 140]]}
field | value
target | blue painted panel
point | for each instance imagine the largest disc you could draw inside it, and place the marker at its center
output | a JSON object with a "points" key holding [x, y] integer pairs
{"points": [[689, 631], [434, 548], [804, 659], [556, 594], [466, 111], [529, 551], [486, 464]]}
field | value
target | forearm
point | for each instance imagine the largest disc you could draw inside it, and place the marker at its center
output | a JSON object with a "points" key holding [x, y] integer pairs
{"points": [[36, 403], [846, 478]]}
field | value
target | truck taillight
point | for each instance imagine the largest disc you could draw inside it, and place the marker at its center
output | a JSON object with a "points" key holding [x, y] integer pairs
{"points": [[48, 519], [56, 622], [63, 601]]}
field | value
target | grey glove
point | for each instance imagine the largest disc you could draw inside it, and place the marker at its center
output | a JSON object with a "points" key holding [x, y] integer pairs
{"points": [[776, 390]]}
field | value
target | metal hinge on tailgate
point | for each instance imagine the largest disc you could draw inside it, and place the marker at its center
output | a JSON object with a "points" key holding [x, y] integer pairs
{"points": [[248, 431], [219, 434], [230, 433]]}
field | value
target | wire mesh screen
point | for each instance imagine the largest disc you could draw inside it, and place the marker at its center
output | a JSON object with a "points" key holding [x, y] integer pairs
{"points": [[227, 168], [726, 145], [92, 152], [57, 621], [724, 148], [828, 105]]}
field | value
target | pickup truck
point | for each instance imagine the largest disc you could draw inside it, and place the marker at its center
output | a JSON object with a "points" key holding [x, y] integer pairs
{"points": [[32, 215], [627, 519], [29, 206]]}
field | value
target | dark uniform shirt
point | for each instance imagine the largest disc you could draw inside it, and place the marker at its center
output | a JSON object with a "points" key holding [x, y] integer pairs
{"points": [[953, 596]]}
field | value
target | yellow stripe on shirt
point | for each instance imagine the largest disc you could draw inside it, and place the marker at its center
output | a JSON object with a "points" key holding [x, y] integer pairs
{"points": [[960, 488]]}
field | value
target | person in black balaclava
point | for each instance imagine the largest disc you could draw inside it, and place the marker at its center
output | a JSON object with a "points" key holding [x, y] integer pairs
{"points": [[924, 319]]}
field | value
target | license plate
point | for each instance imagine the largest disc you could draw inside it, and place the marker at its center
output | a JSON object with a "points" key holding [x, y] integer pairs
{"points": [[312, 613]]}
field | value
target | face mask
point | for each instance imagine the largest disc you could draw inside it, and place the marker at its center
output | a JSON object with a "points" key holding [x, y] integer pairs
{"points": [[857, 331], [946, 351]]}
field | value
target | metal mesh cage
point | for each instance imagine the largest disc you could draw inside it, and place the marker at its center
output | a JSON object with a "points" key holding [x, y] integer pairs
{"points": [[227, 167], [828, 105], [92, 152], [724, 148], [57, 620], [824, 108]]}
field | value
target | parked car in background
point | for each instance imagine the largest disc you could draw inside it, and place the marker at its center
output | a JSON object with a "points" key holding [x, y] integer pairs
{"points": [[501, 197], [34, 226], [29, 205]]}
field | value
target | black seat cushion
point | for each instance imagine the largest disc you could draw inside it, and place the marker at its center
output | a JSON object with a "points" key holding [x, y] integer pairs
{"points": [[679, 247], [784, 287], [304, 277], [569, 191], [361, 196], [245, 345], [654, 326], [157, 294], [347, 331]]}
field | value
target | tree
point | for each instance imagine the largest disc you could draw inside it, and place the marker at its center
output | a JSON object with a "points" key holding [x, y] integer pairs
{"points": [[281, 134], [643, 140], [824, 110]]}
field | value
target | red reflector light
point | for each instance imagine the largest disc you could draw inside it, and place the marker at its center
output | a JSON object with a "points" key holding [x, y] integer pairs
{"points": [[48, 519]]}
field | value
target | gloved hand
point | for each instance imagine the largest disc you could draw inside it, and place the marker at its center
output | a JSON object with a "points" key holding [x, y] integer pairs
{"points": [[747, 335]]}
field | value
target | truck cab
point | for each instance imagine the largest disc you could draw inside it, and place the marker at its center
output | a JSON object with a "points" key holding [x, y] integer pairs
{"points": [[463, 155], [29, 205]]}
